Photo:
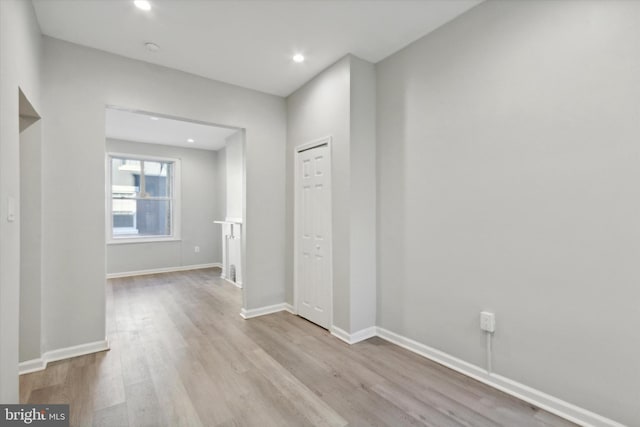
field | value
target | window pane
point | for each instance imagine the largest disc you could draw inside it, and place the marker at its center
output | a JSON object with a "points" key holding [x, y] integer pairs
{"points": [[140, 218], [153, 217], [125, 178], [124, 217], [157, 179]]}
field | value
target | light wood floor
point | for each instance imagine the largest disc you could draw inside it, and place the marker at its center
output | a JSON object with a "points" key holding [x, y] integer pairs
{"points": [[181, 355]]}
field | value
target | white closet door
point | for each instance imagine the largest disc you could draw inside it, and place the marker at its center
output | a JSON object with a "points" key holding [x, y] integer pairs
{"points": [[313, 235]]}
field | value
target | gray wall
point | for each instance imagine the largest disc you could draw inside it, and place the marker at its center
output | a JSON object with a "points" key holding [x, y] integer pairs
{"points": [[20, 50], [508, 146], [198, 211], [234, 161], [30, 241], [319, 109], [78, 82], [220, 189], [340, 102], [362, 197]]}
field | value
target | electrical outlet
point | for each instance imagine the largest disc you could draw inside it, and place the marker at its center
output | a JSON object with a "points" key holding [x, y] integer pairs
{"points": [[196, 249], [488, 321]]}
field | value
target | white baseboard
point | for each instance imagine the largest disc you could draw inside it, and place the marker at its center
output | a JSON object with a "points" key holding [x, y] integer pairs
{"points": [[40, 364], [33, 365], [76, 350], [262, 311], [341, 334], [236, 284], [356, 337], [163, 270], [364, 334], [538, 398]]}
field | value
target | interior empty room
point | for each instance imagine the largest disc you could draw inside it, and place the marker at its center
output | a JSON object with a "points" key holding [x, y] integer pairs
{"points": [[320, 213]]}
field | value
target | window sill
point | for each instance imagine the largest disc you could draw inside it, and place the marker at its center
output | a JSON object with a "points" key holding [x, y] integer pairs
{"points": [[136, 240]]}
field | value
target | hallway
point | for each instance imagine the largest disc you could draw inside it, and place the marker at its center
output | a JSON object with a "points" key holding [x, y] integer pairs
{"points": [[181, 355]]}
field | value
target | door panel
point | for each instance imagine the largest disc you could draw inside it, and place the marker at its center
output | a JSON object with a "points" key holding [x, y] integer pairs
{"points": [[313, 229]]}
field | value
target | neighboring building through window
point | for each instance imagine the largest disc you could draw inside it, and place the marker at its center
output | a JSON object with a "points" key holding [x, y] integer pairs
{"points": [[142, 200]]}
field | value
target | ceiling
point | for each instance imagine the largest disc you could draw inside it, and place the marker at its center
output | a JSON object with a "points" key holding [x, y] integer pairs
{"points": [[248, 43], [140, 127]]}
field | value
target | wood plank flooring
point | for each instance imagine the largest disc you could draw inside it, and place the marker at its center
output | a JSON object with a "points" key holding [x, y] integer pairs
{"points": [[182, 356]]}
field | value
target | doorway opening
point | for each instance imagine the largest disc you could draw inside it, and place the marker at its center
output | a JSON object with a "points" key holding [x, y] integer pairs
{"points": [[169, 183]]}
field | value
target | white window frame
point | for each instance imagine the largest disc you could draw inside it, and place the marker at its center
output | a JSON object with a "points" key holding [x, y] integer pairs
{"points": [[176, 205]]}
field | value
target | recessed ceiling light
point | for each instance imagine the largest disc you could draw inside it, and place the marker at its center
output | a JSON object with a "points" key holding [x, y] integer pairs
{"points": [[154, 118], [152, 47], [191, 140], [298, 58], [142, 4]]}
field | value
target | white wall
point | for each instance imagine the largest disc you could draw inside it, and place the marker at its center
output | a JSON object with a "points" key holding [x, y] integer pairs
{"points": [[508, 144], [78, 83], [20, 47], [198, 211], [234, 157], [340, 102]]}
